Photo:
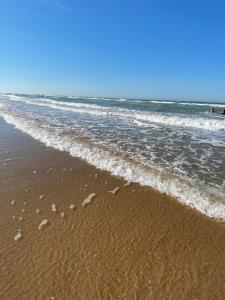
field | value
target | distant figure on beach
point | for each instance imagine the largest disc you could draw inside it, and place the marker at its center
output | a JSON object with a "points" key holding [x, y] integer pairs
{"points": [[223, 111], [212, 110]]}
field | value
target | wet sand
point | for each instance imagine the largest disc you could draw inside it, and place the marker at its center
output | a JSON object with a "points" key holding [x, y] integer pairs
{"points": [[131, 243]]}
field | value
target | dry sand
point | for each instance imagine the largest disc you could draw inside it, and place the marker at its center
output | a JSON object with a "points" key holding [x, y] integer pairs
{"points": [[134, 244]]}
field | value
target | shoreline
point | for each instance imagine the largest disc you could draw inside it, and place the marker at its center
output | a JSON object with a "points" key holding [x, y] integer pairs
{"points": [[194, 196], [135, 242]]}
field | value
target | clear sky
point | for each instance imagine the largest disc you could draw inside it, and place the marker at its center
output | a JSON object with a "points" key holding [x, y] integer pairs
{"points": [[127, 48]]}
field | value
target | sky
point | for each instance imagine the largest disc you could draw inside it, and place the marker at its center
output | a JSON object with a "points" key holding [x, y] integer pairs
{"points": [[161, 49]]}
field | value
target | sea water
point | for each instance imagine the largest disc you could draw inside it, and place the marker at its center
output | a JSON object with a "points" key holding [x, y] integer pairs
{"points": [[176, 147]]}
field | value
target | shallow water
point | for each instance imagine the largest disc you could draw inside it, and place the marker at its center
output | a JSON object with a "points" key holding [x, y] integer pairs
{"points": [[175, 147]]}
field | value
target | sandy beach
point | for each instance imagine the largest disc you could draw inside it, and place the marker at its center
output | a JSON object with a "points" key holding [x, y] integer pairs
{"points": [[128, 242]]}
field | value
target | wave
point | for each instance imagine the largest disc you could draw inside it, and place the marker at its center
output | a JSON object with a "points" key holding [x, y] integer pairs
{"points": [[12, 97], [201, 104], [162, 102], [207, 123], [132, 171]]}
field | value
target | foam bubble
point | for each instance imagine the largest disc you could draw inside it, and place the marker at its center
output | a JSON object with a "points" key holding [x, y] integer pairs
{"points": [[18, 236], [89, 199], [43, 223], [114, 191]]}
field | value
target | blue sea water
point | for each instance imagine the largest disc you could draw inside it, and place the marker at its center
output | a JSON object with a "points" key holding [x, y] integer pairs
{"points": [[176, 147]]}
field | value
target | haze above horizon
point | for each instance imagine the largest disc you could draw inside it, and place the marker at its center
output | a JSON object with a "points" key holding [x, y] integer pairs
{"points": [[154, 49]]}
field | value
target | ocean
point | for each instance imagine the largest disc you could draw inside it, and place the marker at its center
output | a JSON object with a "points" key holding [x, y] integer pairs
{"points": [[176, 147]]}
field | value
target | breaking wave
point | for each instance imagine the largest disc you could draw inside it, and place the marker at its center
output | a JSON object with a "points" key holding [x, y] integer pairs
{"points": [[130, 170], [207, 123]]}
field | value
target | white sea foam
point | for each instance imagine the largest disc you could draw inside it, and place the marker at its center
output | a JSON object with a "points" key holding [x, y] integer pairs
{"points": [[18, 236], [89, 199], [153, 101], [43, 224], [208, 123], [114, 191], [12, 97], [162, 102], [54, 208], [131, 171], [72, 206], [201, 104]]}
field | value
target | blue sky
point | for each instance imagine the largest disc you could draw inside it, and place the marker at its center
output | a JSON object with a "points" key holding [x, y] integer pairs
{"points": [[134, 48]]}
